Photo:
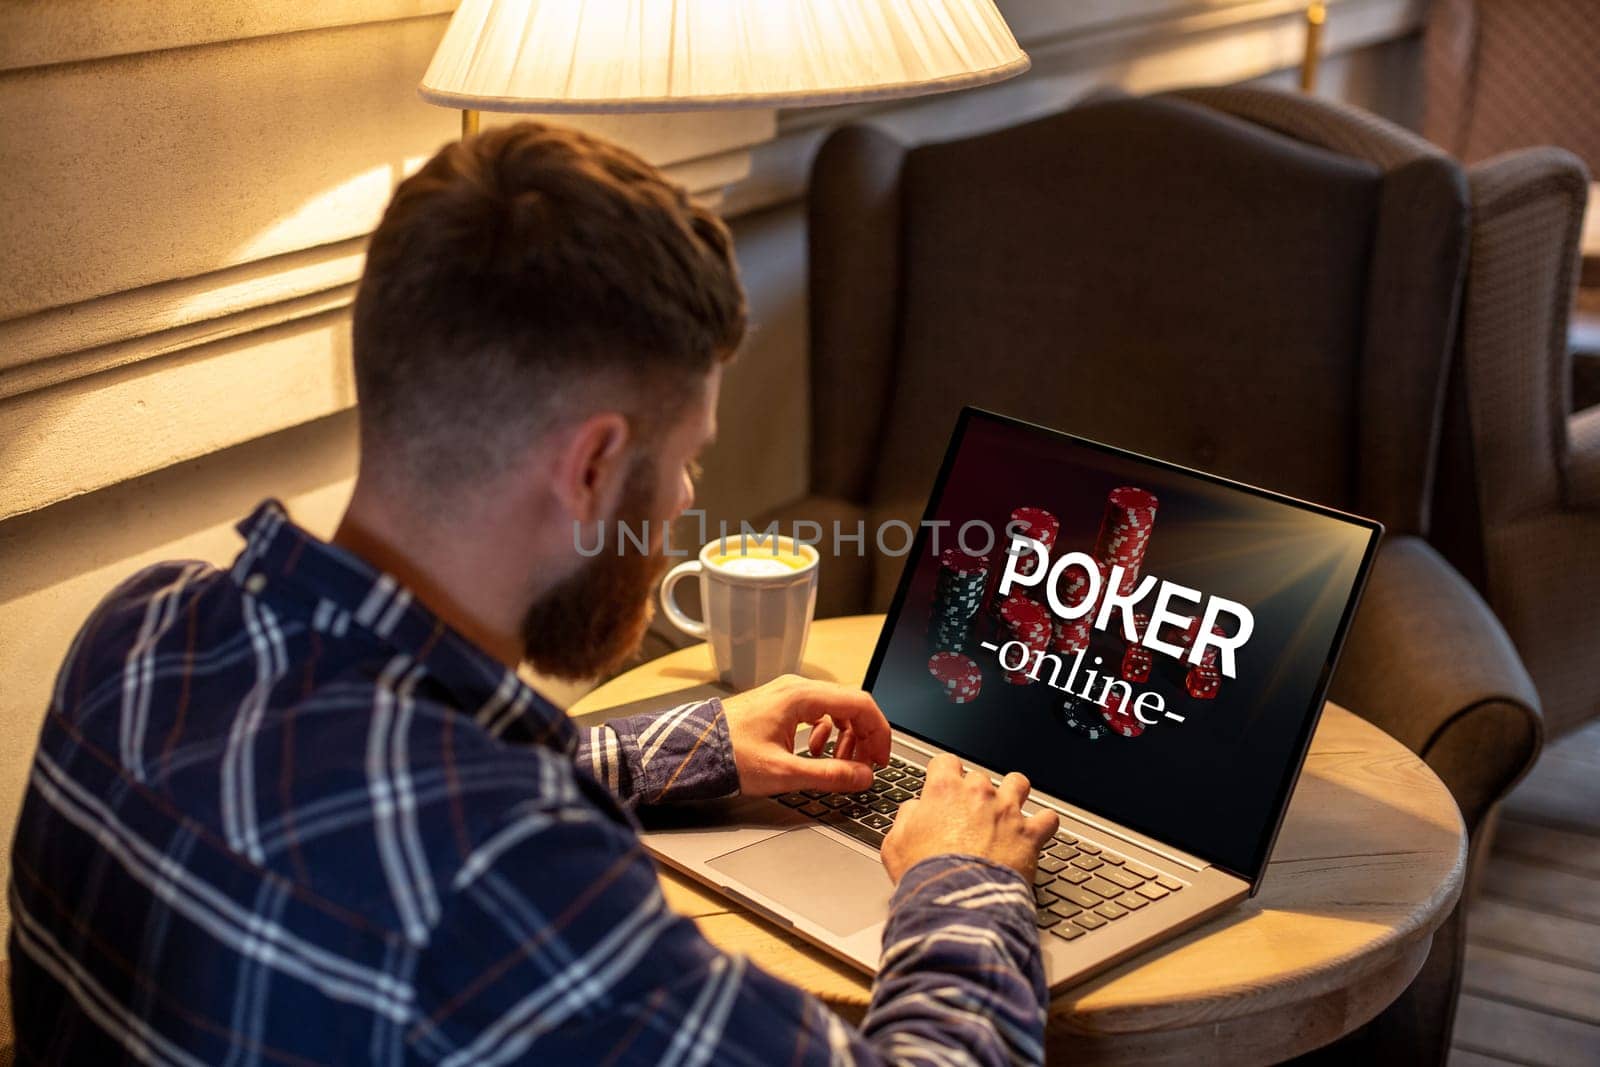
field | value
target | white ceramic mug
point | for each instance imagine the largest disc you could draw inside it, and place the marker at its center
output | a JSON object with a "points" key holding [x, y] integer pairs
{"points": [[758, 595]]}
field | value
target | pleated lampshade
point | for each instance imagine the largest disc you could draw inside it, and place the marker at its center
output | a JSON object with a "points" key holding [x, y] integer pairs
{"points": [[681, 55]]}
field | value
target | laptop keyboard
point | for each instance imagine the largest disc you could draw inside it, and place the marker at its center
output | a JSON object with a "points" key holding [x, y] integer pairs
{"points": [[1079, 886]]}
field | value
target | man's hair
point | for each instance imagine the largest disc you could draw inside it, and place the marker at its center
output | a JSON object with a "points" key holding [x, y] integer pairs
{"points": [[515, 274]]}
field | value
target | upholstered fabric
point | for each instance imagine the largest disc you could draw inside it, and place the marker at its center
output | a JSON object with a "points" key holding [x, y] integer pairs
{"points": [[1028, 253], [1326, 123], [1412, 294], [1507, 74]]}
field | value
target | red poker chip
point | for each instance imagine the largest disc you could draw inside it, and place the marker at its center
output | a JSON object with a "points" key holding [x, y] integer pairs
{"points": [[1022, 613], [1126, 725], [1005, 607], [1037, 523], [1074, 635], [1120, 544], [1133, 499], [958, 562], [954, 670]]}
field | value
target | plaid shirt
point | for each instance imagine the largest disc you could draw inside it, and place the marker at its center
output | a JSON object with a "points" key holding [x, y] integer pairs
{"points": [[282, 814]]}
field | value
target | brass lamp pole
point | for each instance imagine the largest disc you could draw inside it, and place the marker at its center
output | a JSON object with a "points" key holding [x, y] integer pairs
{"points": [[1316, 15]]}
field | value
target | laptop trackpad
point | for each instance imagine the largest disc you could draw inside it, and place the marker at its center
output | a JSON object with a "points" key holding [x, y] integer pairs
{"points": [[813, 875]]}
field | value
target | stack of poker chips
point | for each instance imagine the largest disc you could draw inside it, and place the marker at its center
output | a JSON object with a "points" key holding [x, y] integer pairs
{"points": [[1035, 523], [957, 594], [1026, 621], [1119, 718], [1137, 660], [958, 676], [1082, 717], [1204, 679], [1073, 634], [1125, 529], [1038, 524]]}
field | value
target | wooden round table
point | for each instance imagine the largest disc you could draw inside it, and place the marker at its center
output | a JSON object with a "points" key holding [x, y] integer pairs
{"points": [[1368, 864]]}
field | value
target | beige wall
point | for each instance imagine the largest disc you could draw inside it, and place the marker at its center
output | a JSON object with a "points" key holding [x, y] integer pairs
{"points": [[187, 190]]}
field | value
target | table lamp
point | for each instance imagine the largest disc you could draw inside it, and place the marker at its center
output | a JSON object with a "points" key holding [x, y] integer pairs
{"points": [[554, 56]]}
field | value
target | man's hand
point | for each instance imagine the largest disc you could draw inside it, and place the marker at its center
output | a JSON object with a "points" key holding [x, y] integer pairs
{"points": [[965, 813], [762, 723]]}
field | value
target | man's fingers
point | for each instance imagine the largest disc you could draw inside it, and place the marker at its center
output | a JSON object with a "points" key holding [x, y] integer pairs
{"points": [[819, 735], [848, 708], [1042, 824], [904, 811], [942, 766], [834, 775], [1014, 788], [844, 743]]}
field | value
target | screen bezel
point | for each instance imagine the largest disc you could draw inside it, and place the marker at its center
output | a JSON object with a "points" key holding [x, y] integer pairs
{"points": [[1310, 717]]}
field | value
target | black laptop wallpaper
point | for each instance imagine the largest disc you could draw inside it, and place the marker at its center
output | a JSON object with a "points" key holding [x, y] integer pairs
{"points": [[1196, 747]]}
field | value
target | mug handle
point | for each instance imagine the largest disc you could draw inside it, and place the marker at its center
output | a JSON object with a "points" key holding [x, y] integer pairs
{"points": [[669, 606]]}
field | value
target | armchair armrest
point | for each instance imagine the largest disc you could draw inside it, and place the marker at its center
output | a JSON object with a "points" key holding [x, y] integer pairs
{"points": [[1428, 662], [1527, 212], [1583, 460]]}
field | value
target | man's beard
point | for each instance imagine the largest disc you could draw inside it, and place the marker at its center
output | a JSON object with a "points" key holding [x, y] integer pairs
{"points": [[591, 622]]}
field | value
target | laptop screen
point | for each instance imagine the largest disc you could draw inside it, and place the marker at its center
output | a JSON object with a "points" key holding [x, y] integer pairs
{"points": [[1148, 643]]}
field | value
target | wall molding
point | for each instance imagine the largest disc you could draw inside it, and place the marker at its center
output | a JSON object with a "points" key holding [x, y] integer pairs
{"points": [[77, 31], [63, 343]]}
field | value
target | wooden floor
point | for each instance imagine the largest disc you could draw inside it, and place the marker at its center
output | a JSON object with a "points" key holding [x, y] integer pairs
{"points": [[1531, 993]]}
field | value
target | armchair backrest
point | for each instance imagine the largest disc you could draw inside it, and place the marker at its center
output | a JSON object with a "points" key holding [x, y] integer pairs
{"points": [[1147, 272]]}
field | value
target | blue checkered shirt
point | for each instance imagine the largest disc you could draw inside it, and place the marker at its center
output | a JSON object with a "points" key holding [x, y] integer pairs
{"points": [[282, 814]]}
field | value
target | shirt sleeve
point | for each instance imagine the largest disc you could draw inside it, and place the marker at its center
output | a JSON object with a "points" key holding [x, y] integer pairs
{"points": [[672, 756], [556, 946]]}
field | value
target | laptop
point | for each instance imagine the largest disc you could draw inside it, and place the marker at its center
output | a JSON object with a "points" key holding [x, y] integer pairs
{"points": [[1150, 645]]}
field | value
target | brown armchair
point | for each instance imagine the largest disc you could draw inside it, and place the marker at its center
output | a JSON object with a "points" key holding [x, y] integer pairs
{"points": [[1517, 506], [1255, 284]]}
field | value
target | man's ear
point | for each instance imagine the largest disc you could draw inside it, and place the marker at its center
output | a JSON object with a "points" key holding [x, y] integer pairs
{"points": [[590, 465]]}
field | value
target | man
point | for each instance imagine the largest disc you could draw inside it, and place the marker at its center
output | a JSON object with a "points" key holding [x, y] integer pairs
{"points": [[304, 810]]}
